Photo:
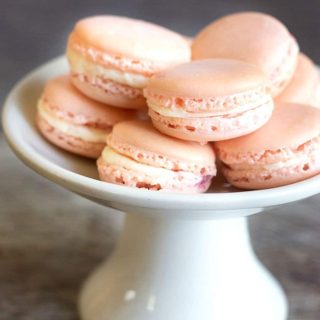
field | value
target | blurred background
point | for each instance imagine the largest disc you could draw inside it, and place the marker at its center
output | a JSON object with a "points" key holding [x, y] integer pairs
{"points": [[51, 239], [33, 31]]}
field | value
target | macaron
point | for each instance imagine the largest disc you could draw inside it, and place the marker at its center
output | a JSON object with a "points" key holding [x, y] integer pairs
{"points": [[139, 156], [253, 37], [304, 87], [72, 121], [112, 58], [209, 100], [284, 151]]}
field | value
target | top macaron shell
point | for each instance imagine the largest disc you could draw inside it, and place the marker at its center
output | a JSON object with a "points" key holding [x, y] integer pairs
{"points": [[304, 87], [253, 37], [140, 141], [134, 39], [206, 79]]}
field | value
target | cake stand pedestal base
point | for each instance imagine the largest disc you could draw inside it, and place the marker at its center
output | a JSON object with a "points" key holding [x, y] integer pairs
{"points": [[174, 269]]}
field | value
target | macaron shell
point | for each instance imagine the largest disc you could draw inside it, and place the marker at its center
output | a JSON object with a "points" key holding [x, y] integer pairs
{"points": [[304, 83], [141, 135], [290, 126], [207, 78], [212, 128], [68, 142], [72, 105], [253, 37], [133, 38], [111, 93]]}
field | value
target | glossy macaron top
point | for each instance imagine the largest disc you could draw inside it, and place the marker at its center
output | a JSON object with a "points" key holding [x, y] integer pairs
{"points": [[131, 38], [70, 104], [253, 37], [291, 125], [141, 141], [207, 79], [305, 81]]}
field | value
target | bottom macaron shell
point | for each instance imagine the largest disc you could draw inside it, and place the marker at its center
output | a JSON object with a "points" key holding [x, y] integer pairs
{"points": [[122, 176], [264, 179], [68, 142], [213, 128], [110, 92]]}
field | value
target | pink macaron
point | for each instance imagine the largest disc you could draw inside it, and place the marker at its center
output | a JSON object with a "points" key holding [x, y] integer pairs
{"points": [[112, 58], [139, 156], [284, 151], [304, 87], [209, 100], [252, 37], [73, 122]]}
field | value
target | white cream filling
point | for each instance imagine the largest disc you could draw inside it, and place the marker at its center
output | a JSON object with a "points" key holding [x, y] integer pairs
{"points": [[111, 157], [175, 112], [78, 131], [80, 65]]}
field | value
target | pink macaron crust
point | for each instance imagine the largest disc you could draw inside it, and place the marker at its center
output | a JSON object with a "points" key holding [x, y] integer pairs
{"points": [[252, 37], [73, 122], [284, 151], [137, 155], [209, 100], [68, 142], [304, 87], [110, 92], [112, 57]]}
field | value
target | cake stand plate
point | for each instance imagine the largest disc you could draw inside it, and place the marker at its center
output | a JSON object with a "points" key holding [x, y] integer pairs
{"points": [[180, 257]]}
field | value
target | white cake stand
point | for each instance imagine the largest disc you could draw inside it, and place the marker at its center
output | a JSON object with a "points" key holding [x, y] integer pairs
{"points": [[180, 257]]}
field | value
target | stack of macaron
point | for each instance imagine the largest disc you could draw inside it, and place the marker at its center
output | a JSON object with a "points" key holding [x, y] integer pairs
{"points": [[239, 91]]}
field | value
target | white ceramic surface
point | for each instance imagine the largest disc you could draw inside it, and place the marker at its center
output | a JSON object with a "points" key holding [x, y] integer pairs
{"points": [[181, 256]]}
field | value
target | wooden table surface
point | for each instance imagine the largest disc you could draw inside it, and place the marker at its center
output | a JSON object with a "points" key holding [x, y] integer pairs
{"points": [[50, 239]]}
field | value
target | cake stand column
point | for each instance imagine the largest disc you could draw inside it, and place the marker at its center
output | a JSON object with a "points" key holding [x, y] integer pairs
{"points": [[172, 269]]}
